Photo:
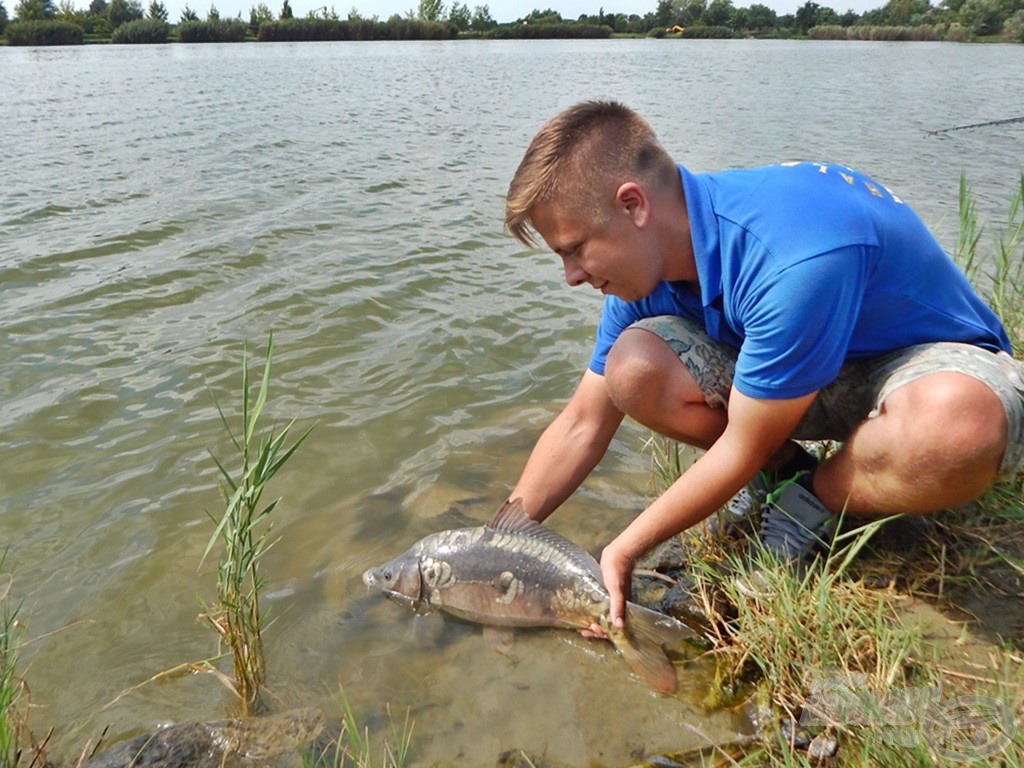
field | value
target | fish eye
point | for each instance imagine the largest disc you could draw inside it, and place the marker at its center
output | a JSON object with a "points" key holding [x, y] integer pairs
{"points": [[387, 574]]}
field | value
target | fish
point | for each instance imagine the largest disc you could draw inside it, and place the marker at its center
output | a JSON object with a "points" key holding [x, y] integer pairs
{"points": [[515, 572]]}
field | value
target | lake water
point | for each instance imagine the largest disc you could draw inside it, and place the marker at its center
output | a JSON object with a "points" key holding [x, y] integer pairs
{"points": [[165, 208]]}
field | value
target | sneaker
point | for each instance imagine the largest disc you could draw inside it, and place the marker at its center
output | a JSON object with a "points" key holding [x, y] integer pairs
{"points": [[753, 496], [749, 499], [795, 524]]}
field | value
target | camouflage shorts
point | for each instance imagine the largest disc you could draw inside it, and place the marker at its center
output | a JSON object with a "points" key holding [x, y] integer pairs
{"points": [[862, 385]]}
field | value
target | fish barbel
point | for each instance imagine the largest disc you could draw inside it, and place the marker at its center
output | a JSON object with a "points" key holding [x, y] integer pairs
{"points": [[514, 572]]}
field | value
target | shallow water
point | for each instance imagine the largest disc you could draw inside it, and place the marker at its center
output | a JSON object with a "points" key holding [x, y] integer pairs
{"points": [[165, 208]]}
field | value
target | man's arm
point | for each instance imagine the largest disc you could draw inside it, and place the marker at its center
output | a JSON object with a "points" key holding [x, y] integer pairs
{"points": [[569, 448], [756, 429]]}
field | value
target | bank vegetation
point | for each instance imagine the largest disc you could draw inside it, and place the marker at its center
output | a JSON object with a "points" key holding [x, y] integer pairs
{"points": [[42, 22]]}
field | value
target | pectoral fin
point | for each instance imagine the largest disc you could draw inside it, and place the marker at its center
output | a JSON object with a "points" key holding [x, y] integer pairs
{"points": [[499, 639], [427, 629], [642, 642]]}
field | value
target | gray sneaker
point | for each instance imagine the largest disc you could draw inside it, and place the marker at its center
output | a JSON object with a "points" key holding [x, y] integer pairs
{"points": [[795, 524], [749, 499]]}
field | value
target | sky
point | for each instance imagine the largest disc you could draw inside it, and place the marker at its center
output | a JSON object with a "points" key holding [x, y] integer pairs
{"points": [[501, 10]]}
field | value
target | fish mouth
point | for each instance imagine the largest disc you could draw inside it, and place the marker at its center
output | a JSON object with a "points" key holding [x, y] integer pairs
{"points": [[409, 602]]}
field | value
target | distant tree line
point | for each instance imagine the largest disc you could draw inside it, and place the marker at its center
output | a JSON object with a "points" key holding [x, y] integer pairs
{"points": [[41, 22]]}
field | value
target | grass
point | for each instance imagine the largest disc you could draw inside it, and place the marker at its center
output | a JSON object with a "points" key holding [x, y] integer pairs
{"points": [[831, 653], [17, 745], [353, 746], [243, 531]]}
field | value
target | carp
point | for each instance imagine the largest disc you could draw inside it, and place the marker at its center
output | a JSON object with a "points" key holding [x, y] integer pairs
{"points": [[515, 572]]}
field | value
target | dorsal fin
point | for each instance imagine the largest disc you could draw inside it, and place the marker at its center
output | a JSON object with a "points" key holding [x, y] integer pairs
{"points": [[511, 517]]}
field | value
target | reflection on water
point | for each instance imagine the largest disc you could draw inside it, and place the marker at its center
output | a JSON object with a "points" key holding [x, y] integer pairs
{"points": [[169, 207]]}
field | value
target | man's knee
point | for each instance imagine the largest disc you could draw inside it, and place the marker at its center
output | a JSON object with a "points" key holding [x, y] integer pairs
{"points": [[952, 414], [634, 371], [937, 442]]}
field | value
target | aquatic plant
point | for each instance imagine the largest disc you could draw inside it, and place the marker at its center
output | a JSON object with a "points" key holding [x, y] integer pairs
{"points": [[353, 746], [574, 31], [212, 31], [1000, 278], [44, 32], [318, 29], [243, 531], [141, 31]]}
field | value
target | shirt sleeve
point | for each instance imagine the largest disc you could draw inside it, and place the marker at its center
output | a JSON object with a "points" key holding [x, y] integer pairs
{"points": [[616, 316]]}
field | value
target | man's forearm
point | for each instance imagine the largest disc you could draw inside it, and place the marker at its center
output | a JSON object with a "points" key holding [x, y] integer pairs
{"points": [[564, 455]]}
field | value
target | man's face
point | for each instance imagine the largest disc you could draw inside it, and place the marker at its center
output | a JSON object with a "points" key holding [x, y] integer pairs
{"points": [[607, 252]]}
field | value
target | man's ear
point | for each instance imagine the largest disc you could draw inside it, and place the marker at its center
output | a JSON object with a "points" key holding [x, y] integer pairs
{"points": [[631, 200]]}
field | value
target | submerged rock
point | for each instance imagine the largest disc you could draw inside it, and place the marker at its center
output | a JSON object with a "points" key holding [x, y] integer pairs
{"points": [[273, 741]]}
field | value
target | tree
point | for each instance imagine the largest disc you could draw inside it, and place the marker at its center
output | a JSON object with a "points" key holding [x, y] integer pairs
{"points": [[157, 10], [3, 17], [430, 10], [810, 14], [460, 16], [66, 11], [761, 17], [547, 16], [718, 13], [213, 14], [187, 14], [664, 15], [482, 20], [122, 11], [259, 14], [34, 10], [981, 17], [900, 13], [286, 10], [690, 12]]}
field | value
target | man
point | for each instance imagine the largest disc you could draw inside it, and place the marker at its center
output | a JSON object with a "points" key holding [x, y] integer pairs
{"points": [[749, 308]]}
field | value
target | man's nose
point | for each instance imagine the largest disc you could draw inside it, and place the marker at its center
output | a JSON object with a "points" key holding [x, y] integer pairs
{"points": [[574, 273]]}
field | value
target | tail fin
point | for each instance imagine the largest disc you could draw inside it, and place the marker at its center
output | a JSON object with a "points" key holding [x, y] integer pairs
{"points": [[641, 645]]}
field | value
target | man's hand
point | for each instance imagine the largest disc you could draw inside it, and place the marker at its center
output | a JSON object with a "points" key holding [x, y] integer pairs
{"points": [[617, 572]]}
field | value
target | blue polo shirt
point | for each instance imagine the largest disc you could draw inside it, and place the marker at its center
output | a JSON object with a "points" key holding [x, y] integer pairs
{"points": [[804, 266]]}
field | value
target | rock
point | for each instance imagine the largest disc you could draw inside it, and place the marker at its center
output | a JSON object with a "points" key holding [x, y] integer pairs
{"points": [[273, 741], [794, 734], [822, 746]]}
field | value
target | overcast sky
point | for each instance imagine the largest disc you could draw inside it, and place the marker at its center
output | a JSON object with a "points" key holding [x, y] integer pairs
{"points": [[501, 10]]}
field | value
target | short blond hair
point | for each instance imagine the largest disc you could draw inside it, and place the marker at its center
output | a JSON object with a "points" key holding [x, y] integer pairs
{"points": [[580, 157]]}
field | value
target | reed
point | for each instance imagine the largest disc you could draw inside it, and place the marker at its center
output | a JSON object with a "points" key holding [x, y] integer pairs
{"points": [[243, 531], [574, 31], [142, 32], [44, 32], [213, 31]]}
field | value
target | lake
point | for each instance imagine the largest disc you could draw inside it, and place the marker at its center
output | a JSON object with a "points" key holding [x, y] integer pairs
{"points": [[165, 208]]}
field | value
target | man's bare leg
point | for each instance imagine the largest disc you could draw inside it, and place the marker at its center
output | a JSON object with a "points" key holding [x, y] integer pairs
{"points": [[936, 443]]}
